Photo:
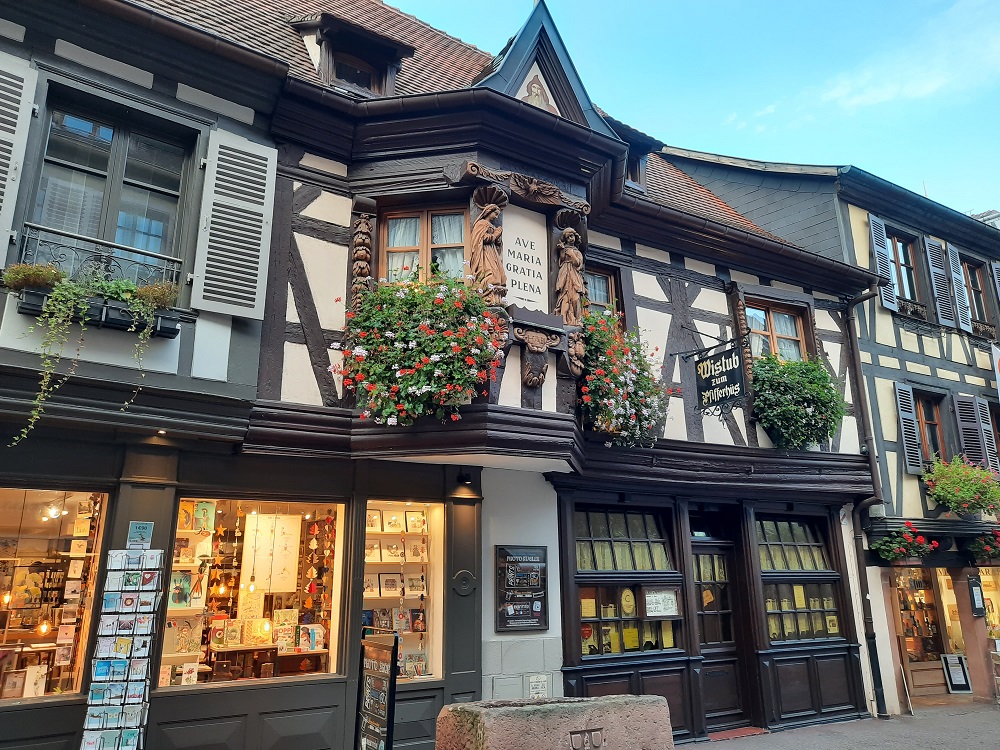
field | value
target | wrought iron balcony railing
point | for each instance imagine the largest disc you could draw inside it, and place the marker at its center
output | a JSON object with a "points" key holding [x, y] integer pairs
{"points": [[79, 256]]}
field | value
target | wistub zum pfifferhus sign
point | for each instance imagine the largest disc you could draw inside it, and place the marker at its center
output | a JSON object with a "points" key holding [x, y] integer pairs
{"points": [[719, 380]]}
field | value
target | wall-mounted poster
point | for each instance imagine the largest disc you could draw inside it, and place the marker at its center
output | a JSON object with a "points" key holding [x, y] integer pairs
{"points": [[658, 602], [521, 589], [270, 551]]}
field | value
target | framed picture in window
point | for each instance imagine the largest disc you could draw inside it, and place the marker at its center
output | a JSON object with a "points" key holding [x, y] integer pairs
{"points": [[392, 521], [416, 522], [12, 683], [659, 602], [373, 551], [369, 586], [373, 520], [390, 584]]}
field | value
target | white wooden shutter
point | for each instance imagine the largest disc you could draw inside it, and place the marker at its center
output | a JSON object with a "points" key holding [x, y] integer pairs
{"points": [[883, 265], [970, 429], [963, 311], [909, 429], [940, 272], [989, 439], [230, 272], [17, 91]]}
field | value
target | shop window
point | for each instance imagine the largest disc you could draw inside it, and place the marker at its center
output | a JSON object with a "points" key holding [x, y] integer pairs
{"points": [[919, 622], [601, 294], [423, 242], [254, 591], [799, 596], [404, 582], [50, 545], [775, 330], [619, 617]]}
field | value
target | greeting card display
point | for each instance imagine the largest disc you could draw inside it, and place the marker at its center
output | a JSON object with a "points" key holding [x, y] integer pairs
{"points": [[373, 520]]}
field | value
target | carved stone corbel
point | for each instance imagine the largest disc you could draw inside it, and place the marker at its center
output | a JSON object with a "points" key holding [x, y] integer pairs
{"points": [[530, 189], [361, 255], [534, 363]]}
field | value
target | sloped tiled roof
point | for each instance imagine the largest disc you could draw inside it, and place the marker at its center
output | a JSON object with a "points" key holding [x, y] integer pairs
{"points": [[669, 186], [440, 63]]}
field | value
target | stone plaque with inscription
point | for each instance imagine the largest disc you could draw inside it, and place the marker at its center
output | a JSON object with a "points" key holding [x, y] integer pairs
{"points": [[526, 258]]}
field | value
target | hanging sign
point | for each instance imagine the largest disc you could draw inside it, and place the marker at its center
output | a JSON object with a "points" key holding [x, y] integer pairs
{"points": [[377, 699], [976, 595], [719, 380], [521, 589]]}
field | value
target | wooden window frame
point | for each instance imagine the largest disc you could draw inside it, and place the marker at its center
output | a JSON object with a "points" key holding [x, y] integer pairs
{"points": [[425, 248], [795, 311], [894, 241], [613, 286], [378, 75], [920, 399], [974, 269]]}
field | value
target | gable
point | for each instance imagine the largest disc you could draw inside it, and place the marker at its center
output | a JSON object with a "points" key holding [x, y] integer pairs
{"points": [[536, 68]]}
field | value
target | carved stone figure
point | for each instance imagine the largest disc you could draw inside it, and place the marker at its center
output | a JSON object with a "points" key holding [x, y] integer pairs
{"points": [[535, 363], [361, 254], [576, 350], [535, 190], [569, 281], [487, 256]]}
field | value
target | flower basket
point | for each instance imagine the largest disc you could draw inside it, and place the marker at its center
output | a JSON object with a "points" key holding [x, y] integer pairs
{"points": [[105, 313], [904, 547], [796, 403], [963, 487], [619, 395], [986, 548], [419, 348]]}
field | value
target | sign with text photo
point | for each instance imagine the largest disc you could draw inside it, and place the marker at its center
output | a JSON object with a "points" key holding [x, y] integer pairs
{"points": [[719, 378], [521, 601], [526, 258]]}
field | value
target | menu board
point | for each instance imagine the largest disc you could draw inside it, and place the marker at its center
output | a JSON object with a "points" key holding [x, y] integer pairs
{"points": [[521, 589], [377, 698], [659, 603]]}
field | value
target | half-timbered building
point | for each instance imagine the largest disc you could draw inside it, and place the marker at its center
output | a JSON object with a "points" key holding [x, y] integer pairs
{"points": [[711, 569]]}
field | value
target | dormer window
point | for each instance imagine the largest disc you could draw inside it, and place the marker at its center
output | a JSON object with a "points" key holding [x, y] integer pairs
{"points": [[354, 59], [635, 170]]}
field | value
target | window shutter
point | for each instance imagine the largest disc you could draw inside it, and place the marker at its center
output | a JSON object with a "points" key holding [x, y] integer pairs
{"points": [[963, 310], [989, 439], [995, 274], [230, 272], [883, 265], [909, 429], [970, 430], [17, 90], [940, 271]]}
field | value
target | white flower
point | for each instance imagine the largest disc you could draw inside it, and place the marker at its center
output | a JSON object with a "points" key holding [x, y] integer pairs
{"points": [[435, 358], [389, 335], [473, 372], [359, 351], [401, 294], [383, 281], [473, 350], [470, 277], [335, 345], [438, 373], [392, 421], [413, 345]]}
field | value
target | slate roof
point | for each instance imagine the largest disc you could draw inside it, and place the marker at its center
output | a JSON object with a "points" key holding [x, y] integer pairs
{"points": [[440, 63]]}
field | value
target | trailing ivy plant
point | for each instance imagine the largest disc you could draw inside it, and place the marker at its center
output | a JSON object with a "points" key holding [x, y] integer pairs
{"points": [[797, 403], [67, 304], [419, 348]]}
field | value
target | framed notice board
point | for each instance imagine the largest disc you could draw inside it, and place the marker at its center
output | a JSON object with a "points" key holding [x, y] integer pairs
{"points": [[377, 692], [522, 598], [956, 673]]}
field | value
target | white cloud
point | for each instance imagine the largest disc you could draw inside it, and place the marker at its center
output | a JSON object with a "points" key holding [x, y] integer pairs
{"points": [[957, 50], [768, 110]]}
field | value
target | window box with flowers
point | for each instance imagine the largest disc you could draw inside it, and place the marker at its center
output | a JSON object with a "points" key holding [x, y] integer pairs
{"points": [[962, 486], [619, 393], [904, 545], [986, 548], [419, 348]]}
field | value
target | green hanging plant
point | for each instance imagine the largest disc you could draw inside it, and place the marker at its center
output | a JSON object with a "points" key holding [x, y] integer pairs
{"points": [[797, 403]]}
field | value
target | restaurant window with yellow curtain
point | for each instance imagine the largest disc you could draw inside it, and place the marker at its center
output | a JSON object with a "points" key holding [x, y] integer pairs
{"points": [[628, 584], [800, 582]]}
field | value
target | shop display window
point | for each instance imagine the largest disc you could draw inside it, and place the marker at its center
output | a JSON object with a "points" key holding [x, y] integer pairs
{"points": [[403, 586], [920, 628], [254, 591], [625, 616], [991, 595], [50, 544], [800, 582]]}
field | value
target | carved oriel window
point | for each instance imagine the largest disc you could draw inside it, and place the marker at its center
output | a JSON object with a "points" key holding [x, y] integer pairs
{"points": [[421, 241]]}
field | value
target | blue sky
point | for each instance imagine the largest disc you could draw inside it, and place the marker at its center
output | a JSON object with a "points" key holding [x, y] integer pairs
{"points": [[909, 91]]}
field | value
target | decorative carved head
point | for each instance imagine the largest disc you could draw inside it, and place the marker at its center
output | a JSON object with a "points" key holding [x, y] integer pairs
{"points": [[537, 342]]}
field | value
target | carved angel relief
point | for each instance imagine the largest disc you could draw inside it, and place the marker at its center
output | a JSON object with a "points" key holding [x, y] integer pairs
{"points": [[487, 246], [361, 251], [534, 364]]}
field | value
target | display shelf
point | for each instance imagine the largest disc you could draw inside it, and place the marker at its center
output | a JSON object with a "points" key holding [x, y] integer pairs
{"points": [[184, 610], [193, 532], [396, 533], [180, 655], [394, 563]]}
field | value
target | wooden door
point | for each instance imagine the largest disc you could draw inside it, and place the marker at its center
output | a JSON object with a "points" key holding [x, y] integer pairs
{"points": [[723, 684]]}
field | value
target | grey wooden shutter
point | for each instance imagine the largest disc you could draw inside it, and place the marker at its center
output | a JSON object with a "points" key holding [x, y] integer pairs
{"points": [[989, 439], [230, 272], [970, 430], [909, 429], [883, 265], [17, 90], [940, 271], [995, 274], [963, 310]]}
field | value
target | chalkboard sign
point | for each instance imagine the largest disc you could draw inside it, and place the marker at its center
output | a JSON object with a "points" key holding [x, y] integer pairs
{"points": [[377, 692], [521, 589], [956, 673]]}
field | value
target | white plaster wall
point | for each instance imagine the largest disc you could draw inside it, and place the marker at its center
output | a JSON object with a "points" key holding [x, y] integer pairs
{"points": [[510, 379], [298, 383], [520, 508], [646, 285], [326, 273], [884, 637]]}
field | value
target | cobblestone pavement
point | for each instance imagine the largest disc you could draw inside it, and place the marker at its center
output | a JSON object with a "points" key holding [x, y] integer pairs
{"points": [[961, 726]]}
